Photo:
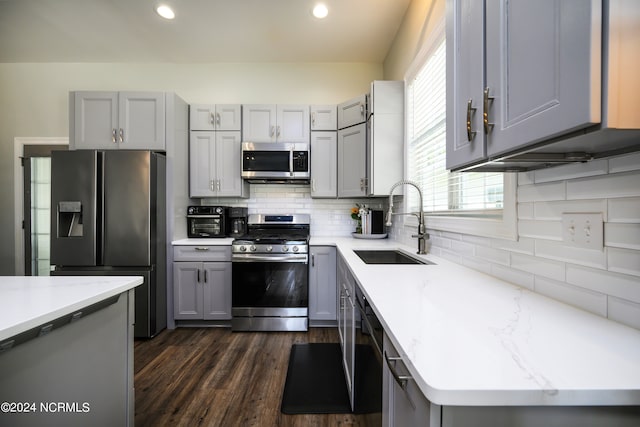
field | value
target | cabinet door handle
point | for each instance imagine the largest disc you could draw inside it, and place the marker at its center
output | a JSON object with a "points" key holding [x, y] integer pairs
{"points": [[362, 110], [402, 380], [217, 119], [211, 186], [313, 260], [114, 135], [313, 185], [205, 276], [278, 131], [198, 275], [218, 184], [201, 249], [485, 115], [213, 118], [313, 118], [470, 109], [271, 131], [121, 135]]}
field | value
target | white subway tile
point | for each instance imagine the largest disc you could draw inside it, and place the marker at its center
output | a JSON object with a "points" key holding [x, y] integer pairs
{"points": [[493, 255], [440, 242], [624, 210], [625, 312], [476, 264], [560, 252], [622, 235], [452, 236], [572, 171], [523, 245], [476, 240], [540, 229], [607, 186], [462, 248], [625, 261], [538, 266], [554, 210], [606, 282], [517, 277], [626, 163], [525, 210], [585, 299], [541, 192], [450, 255], [525, 178]]}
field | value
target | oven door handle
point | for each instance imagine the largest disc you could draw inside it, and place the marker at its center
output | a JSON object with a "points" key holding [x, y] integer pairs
{"points": [[269, 258], [203, 216]]}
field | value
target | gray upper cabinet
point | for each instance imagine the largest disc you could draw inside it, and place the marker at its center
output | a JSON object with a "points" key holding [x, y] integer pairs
{"points": [[117, 120], [324, 117], [352, 112], [370, 153], [556, 75], [275, 123], [324, 164], [214, 165], [352, 165], [215, 117]]}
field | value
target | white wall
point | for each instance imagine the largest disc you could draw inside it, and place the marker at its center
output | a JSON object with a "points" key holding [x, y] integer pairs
{"points": [[34, 99]]}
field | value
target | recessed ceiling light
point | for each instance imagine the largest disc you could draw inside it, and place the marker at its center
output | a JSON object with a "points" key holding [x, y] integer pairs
{"points": [[320, 11], [165, 11]]}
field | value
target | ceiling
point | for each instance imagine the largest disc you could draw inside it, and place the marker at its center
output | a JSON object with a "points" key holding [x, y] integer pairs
{"points": [[204, 31]]}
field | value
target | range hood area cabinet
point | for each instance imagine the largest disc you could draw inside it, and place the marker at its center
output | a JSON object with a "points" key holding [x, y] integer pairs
{"points": [[275, 123], [560, 84], [370, 141], [215, 155], [118, 120]]}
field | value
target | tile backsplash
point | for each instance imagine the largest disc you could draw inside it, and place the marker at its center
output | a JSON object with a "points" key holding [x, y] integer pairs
{"points": [[606, 281], [329, 217]]}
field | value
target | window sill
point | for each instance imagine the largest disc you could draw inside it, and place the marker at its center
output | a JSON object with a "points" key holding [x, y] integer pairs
{"points": [[505, 227]]}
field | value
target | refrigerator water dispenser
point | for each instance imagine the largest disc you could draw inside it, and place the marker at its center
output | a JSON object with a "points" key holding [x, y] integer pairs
{"points": [[70, 219]]}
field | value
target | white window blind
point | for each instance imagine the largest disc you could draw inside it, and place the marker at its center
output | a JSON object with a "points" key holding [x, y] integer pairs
{"points": [[445, 192]]}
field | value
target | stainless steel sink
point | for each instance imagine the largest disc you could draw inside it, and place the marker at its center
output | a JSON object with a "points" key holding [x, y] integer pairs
{"points": [[388, 257]]}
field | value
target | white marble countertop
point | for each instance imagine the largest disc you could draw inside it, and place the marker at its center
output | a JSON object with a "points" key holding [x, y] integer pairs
{"points": [[28, 302], [218, 241], [471, 339]]}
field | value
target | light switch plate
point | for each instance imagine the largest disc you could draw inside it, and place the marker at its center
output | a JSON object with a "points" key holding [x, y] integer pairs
{"points": [[583, 230]]}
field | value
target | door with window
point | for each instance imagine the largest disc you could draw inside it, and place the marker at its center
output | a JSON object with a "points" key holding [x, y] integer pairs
{"points": [[36, 163]]}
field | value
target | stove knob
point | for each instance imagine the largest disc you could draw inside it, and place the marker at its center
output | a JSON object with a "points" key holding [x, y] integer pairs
{"points": [[218, 210], [243, 248], [252, 248], [285, 248], [269, 248], [295, 249]]}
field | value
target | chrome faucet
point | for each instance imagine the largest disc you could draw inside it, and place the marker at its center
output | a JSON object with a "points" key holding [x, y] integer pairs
{"points": [[422, 233]]}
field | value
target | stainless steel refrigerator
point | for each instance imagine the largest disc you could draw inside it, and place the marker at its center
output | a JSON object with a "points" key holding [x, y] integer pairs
{"points": [[108, 217]]}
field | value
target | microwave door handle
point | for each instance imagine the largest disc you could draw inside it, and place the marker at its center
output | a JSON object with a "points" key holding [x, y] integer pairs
{"points": [[291, 161]]}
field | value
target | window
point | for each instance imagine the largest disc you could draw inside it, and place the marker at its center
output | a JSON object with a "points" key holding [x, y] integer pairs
{"points": [[457, 196]]}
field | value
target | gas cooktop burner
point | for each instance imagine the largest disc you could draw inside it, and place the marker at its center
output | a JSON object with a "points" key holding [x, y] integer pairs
{"points": [[274, 234]]}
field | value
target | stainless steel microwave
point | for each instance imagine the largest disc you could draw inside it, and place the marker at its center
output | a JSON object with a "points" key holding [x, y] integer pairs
{"points": [[273, 162]]}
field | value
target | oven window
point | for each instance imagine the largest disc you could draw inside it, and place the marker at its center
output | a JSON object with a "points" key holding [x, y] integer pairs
{"points": [[269, 284], [265, 161]]}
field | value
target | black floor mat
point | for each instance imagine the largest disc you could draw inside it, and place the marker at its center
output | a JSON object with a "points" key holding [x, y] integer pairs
{"points": [[316, 384]]}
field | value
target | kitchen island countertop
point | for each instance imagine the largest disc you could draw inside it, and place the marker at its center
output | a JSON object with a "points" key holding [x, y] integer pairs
{"points": [[28, 302], [469, 338]]}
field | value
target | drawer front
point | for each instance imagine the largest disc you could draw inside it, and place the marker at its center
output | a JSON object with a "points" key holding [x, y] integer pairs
{"points": [[201, 253]]}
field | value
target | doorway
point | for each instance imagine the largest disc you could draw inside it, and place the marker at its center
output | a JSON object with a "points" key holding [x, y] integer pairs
{"points": [[36, 162]]}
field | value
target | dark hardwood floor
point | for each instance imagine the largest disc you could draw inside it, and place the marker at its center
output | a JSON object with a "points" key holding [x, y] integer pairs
{"points": [[213, 377]]}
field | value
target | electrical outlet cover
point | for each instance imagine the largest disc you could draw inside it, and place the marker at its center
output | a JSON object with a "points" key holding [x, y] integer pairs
{"points": [[583, 230]]}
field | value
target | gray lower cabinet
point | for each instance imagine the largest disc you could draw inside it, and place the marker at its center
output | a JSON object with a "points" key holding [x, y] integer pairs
{"points": [[322, 285], [346, 322], [403, 404], [202, 289]]}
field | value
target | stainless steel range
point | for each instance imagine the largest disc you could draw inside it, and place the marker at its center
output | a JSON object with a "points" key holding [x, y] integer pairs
{"points": [[270, 280]]}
